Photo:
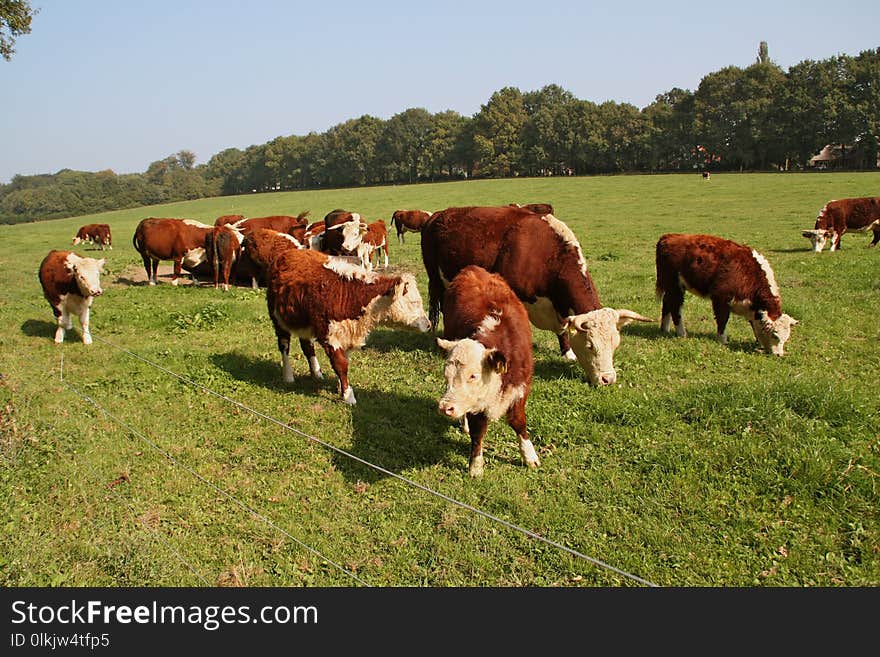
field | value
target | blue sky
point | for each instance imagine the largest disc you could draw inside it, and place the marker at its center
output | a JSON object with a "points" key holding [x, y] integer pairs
{"points": [[112, 84]]}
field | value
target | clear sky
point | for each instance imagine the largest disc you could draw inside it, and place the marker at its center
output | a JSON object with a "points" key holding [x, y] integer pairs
{"points": [[113, 84]]}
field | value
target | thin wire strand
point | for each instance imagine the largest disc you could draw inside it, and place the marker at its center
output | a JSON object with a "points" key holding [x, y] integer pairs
{"points": [[378, 468], [211, 484]]}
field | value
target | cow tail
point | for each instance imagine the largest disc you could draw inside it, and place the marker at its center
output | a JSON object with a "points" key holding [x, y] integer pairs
{"points": [[135, 242], [658, 262]]}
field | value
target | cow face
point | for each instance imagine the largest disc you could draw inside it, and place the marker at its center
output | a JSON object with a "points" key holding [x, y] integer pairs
{"points": [[87, 273], [771, 335], [817, 238], [594, 338], [406, 307], [473, 379]]}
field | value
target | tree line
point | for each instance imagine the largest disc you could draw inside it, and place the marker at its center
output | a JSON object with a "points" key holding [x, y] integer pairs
{"points": [[757, 118]]}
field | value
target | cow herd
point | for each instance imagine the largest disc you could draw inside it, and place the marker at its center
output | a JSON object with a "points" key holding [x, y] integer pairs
{"points": [[493, 273]]}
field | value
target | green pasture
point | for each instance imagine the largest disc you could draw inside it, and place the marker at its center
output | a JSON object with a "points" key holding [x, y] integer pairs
{"points": [[706, 465]]}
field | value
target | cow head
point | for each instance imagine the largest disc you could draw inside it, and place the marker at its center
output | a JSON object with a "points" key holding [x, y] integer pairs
{"points": [[772, 335], [817, 237], [87, 274], [406, 308], [594, 337], [473, 379]]}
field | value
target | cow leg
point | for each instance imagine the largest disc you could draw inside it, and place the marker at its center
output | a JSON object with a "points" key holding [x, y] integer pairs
{"points": [[565, 346], [673, 299], [62, 320], [835, 241], [477, 423], [876, 239], [84, 322], [339, 361], [400, 236], [308, 348], [721, 310], [516, 419], [385, 254], [153, 272], [284, 348], [178, 267]]}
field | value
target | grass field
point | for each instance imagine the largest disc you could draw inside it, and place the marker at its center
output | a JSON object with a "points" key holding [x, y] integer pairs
{"points": [[706, 465]]}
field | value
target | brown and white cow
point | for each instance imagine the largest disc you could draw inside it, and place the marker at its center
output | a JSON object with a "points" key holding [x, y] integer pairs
{"points": [[260, 249], [845, 215], [343, 233], [179, 240], [488, 343], [408, 220], [70, 283], [223, 248], [537, 208], [96, 234], [374, 243], [282, 223], [734, 276], [541, 260], [319, 298]]}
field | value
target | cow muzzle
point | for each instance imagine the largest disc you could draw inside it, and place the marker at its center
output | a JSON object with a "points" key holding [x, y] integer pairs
{"points": [[447, 409], [606, 378]]}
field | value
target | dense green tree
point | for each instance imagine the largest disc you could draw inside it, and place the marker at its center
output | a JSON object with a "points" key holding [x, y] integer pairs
{"points": [[442, 150], [499, 132], [403, 145], [15, 20], [670, 133]]}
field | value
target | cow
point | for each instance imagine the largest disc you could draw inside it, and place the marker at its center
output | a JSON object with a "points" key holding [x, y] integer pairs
{"points": [[282, 223], [96, 234], [487, 339], [374, 242], [180, 240], [260, 249], [735, 277], [408, 220], [70, 283], [343, 233], [541, 260], [228, 219], [223, 249], [537, 208], [839, 216], [707, 176], [319, 298]]}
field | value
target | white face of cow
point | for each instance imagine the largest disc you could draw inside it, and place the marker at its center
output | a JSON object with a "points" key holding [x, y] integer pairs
{"points": [[353, 231], [87, 273], [772, 336], [817, 238], [406, 306], [594, 338], [473, 379]]}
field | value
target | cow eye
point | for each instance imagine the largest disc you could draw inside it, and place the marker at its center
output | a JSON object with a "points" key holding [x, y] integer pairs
{"points": [[472, 377]]}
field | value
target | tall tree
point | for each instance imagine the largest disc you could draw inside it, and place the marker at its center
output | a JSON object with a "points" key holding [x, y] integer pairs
{"points": [[15, 20], [499, 133]]}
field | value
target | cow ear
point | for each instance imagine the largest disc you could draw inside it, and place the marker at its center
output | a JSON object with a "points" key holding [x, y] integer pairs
{"points": [[496, 361], [445, 345]]}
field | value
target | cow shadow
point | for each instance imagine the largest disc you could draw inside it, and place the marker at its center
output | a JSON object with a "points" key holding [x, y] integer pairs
{"points": [[38, 328], [800, 250], [389, 340], [262, 372], [400, 433]]}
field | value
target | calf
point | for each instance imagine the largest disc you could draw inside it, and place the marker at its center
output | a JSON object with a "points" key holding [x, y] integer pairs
{"points": [[70, 283], [223, 248], [848, 214], [408, 220], [735, 277], [318, 298], [96, 234], [489, 365], [374, 242], [343, 233]]}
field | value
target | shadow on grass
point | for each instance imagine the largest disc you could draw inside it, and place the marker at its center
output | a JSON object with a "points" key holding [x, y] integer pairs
{"points": [[37, 328], [801, 250], [267, 373], [390, 340], [400, 433]]}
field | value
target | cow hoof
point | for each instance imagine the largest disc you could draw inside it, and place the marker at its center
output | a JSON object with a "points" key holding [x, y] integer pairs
{"points": [[87, 339], [475, 469], [152, 283], [569, 355], [348, 396]]}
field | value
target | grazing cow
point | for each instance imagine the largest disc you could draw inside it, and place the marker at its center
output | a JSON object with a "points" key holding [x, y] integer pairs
{"points": [[223, 247], [847, 214], [261, 248], [70, 283], [489, 365], [343, 233], [734, 276], [541, 260], [707, 176], [228, 219], [96, 234], [408, 220], [374, 242], [319, 298], [180, 240]]}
